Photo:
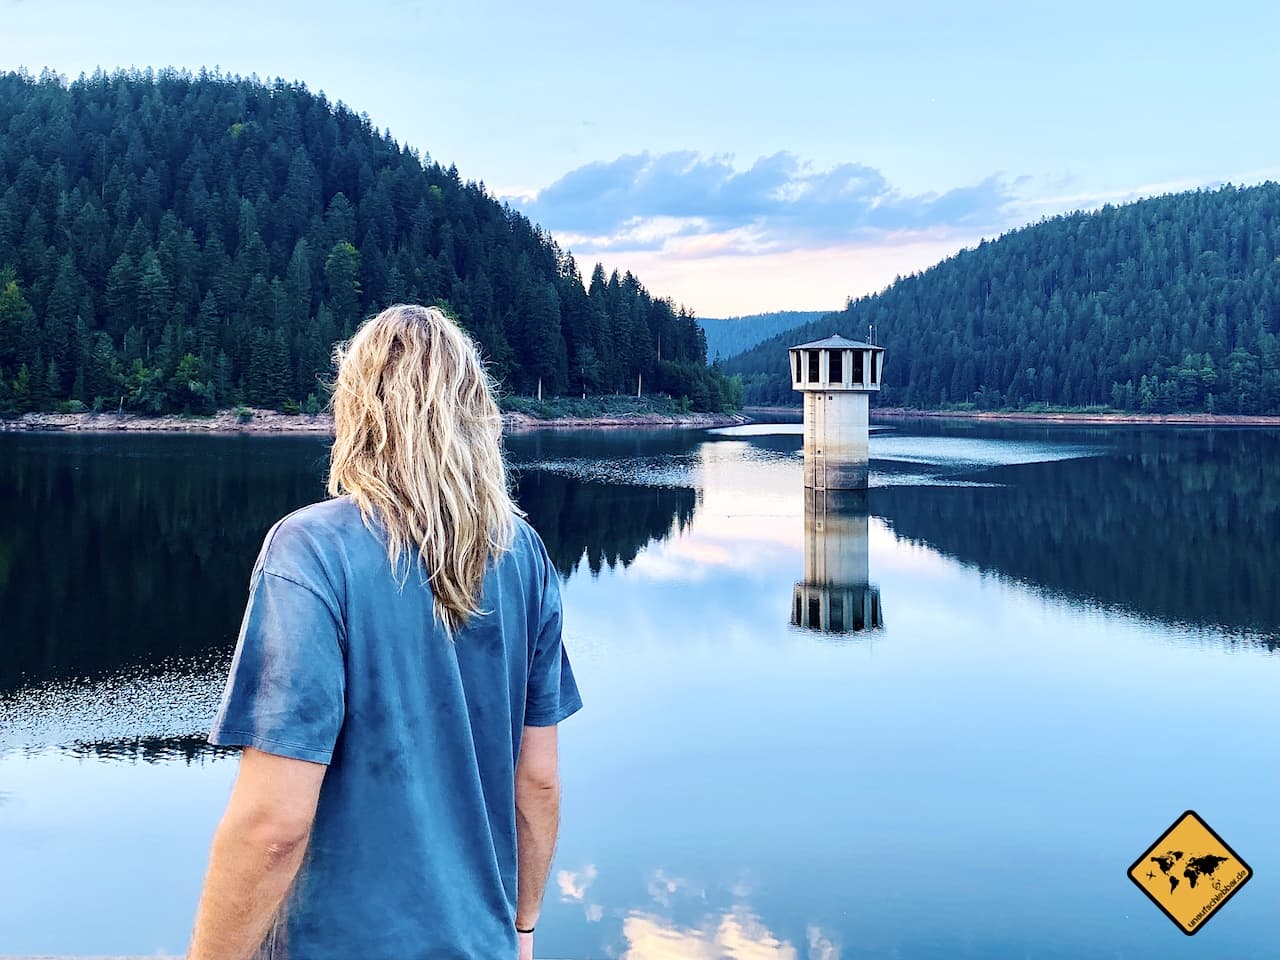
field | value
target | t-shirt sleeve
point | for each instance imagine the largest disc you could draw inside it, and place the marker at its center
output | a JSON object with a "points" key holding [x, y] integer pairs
{"points": [[553, 691], [287, 688]]}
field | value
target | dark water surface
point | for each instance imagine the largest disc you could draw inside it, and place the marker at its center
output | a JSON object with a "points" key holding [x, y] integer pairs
{"points": [[936, 721]]}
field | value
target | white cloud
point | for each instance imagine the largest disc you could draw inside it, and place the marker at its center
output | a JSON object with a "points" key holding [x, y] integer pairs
{"points": [[648, 201], [784, 234]]}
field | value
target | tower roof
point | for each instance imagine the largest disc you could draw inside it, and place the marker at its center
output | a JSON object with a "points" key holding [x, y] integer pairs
{"points": [[836, 342]]}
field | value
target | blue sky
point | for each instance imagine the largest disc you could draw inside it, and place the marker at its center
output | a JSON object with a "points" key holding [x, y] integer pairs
{"points": [[750, 156]]}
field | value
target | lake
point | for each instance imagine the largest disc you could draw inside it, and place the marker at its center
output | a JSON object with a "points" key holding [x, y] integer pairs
{"points": [[936, 721]]}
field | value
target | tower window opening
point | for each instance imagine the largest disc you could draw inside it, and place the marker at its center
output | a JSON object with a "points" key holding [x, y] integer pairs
{"points": [[873, 368], [857, 367], [814, 369], [837, 367], [797, 367]]}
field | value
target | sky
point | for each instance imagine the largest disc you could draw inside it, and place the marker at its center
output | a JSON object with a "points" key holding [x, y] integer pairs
{"points": [[743, 156]]}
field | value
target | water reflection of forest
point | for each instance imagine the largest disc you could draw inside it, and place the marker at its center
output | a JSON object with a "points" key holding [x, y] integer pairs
{"points": [[1185, 529], [600, 524], [131, 552], [150, 749]]}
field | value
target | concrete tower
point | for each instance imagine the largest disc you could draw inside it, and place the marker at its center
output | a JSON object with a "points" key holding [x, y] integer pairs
{"points": [[837, 377], [836, 595]]}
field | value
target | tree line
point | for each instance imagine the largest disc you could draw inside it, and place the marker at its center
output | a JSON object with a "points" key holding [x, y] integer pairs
{"points": [[183, 242], [1165, 304]]}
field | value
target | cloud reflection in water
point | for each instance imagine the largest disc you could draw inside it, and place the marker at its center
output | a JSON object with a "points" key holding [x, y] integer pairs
{"points": [[737, 933]]}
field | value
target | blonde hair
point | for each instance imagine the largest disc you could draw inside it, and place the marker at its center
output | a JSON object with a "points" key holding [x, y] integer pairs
{"points": [[418, 445]]}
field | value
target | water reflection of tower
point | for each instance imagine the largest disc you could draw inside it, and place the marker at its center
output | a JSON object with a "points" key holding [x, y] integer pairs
{"points": [[836, 595]]}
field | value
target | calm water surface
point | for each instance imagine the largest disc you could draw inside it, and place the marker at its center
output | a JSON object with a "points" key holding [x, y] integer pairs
{"points": [[937, 721]]}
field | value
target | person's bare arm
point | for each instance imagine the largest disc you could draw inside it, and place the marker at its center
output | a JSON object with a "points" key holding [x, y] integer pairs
{"points": [[537, 822], [256, 853]]}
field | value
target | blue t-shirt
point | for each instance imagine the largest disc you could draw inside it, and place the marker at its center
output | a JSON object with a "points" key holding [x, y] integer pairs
{"points": [[413, 850]]}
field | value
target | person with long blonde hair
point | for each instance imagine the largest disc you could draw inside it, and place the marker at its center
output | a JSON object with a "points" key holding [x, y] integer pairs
{"points": [[396, 684]]}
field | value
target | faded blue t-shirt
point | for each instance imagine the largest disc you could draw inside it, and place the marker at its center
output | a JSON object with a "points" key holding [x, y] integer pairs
{"points": [[413, 851]]}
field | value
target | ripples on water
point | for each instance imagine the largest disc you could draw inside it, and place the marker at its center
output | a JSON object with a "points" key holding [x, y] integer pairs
{"points": [[169, 701], [633, 471], [895, 459]]}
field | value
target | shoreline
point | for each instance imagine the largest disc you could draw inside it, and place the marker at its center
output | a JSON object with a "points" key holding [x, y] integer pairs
{"points": [[688, 421], [1087, 419], [267, 422], [1065, 417]]}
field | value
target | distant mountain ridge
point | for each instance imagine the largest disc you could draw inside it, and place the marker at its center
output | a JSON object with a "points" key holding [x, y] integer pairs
{"points": [[1165, 304], [729, 336]]}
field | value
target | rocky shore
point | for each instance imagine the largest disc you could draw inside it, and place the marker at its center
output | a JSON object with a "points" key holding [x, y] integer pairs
{"points": [[272, 421], [523, 421]]}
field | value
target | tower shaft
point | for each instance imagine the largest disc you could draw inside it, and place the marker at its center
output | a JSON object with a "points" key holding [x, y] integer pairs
{"points": [[836, 428]]}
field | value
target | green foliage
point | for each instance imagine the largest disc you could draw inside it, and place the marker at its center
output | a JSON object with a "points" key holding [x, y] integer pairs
{"points": [[191, 389], [19, 335], [189, 242], [1165, 304], [244, 414], [144, 388], [20, 391], [342, 281]]}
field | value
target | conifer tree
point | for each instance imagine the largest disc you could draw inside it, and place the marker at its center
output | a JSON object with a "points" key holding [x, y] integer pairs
{"points": [[151, 215]]}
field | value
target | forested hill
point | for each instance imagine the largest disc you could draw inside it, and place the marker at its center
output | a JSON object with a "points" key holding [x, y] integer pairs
{"points": [[1171, 303], [185, 242], [729, 336]]}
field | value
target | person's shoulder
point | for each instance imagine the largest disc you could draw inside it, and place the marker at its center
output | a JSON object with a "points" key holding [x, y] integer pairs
{"points": [[323, 515], [309, 539], [527, 551], [313, 523], [524, 529], [527, 540]]}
